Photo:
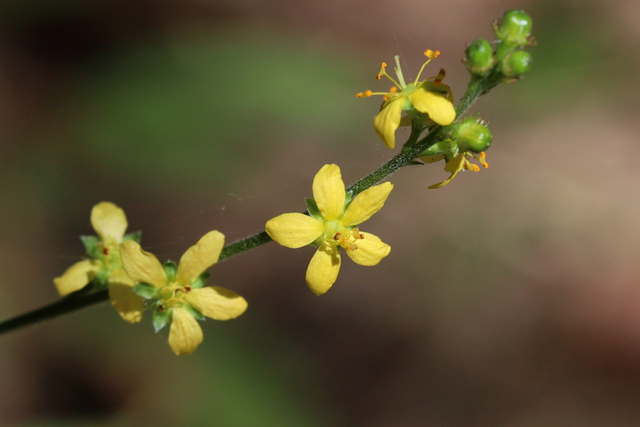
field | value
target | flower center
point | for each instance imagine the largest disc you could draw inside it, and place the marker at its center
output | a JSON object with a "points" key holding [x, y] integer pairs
{"points": [[173, 294], [336, 234]]}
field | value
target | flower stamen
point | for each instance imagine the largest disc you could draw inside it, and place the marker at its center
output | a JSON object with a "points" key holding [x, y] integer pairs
{"points": [[431, 55]]}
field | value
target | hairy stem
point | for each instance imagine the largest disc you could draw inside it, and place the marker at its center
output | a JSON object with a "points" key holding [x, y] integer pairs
{"points": [[81, 299]]}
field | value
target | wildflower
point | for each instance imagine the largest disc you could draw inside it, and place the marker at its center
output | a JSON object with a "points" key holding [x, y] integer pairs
{"points": [[429, 97], [104, 268], [178, 292], [331, 225], [470, 138]]}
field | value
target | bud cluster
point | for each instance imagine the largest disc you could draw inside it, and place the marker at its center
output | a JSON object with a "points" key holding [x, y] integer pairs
{"points": [[507, 60]]}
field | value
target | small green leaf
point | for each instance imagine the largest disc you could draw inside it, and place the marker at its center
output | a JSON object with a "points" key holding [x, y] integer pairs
{"points": [[200, 281], [146, 291], [161, 318], [170, 269]]}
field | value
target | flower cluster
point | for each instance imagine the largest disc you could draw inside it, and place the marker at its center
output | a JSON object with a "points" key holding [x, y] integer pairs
{"points": [[132, 275], [176, 293]]}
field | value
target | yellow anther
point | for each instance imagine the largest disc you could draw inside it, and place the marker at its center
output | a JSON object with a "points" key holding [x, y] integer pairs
{"points": [[364, 94], [382, 71], [482, 159], [431, 54]]}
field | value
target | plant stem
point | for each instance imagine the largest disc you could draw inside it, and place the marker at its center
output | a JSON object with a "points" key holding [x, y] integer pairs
{"points": [[81, 299]]}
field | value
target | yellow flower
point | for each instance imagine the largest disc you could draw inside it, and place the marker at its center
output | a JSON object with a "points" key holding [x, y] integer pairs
{"points": [[456, 163], [110, 223], [332, 225], [178, 292], [429, 97]]}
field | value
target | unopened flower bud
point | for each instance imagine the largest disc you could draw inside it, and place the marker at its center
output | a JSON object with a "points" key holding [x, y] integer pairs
{"points": [[479, 56], [514, 27], [473, 136], [516, 64]]}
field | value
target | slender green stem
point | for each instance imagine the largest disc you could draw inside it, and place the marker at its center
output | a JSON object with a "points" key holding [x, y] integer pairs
{"points": [[68, 304], [477, 87]]}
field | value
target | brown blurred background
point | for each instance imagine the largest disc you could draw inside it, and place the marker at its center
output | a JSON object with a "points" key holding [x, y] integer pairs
{"points": [[511, 297]]}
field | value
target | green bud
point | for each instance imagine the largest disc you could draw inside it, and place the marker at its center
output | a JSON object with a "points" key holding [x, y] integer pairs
{"points": [[516, 64], [479, 56], [514, 27], [473, 136]]}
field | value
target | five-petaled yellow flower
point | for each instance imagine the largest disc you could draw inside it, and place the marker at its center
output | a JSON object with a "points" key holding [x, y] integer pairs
{"points": [[178, 292], [429, 97], [110, 223], [331, 224]]}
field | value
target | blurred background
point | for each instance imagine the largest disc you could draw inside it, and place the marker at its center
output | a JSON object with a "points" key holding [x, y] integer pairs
{"points": [[511, 296]]}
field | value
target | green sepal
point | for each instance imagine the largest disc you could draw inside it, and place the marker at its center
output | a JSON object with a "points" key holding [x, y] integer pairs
{"points": [[192, 311], [146, 291], [93, 246], [161, 318], [347, 201], [135, 236], [170, 269], [200, 281], [313, 210], [101, 279]]}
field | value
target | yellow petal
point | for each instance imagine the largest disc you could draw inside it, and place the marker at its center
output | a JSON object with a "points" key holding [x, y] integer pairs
{"points": [[388, 120], [185, 334], [217, 303], [370, 250], [77, 276], [141, 266], [122, 297], [199, 257], [109, 221], [453, 166], [323, 269], [366, 204], [294, 230], [328, 192], [437, 106]]}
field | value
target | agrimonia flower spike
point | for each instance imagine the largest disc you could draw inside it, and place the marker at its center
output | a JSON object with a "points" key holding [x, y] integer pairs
{"points": [[429, 97], [104, 268], [177, 291], [331, 225]]}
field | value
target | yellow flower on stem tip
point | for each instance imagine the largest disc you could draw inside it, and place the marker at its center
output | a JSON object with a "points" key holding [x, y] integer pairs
{"points": [[456, 163], [110, 223], [331, 225], [178, 292], [429, 97]]}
